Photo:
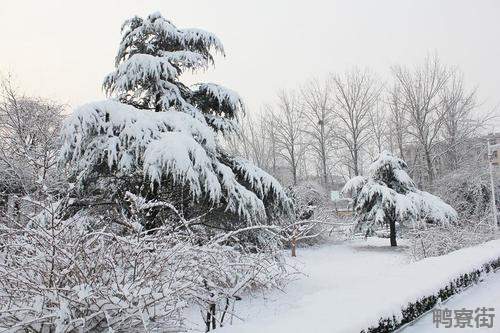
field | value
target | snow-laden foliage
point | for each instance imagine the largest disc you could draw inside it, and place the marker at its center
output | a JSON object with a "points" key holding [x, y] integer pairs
{"points": [[468, 189], [29, 128], [152, 56], [388, 195], [439, 240], [174, 153], [61, 275], [260, 182], [316, 219], [159, 145], [354, 185]]}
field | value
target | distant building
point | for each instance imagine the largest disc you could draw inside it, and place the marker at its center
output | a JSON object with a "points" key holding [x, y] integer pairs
{"points": [[495, 158]]}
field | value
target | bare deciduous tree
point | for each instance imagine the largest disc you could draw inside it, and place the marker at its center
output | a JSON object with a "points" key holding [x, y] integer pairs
{"points": [[29, 130], [420, 97], [318, 113], [289, 125], [257, 141], [459, 121], [397, 121], [378, 126], [270, 135], [355, 94]]}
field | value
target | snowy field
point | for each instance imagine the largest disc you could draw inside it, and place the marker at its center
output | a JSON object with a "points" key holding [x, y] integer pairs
{"points": [[348, 287]]}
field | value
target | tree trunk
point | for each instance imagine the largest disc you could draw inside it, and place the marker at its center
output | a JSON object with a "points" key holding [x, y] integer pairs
{"points": [[325, 174], [211, 320], [158, 106], [430, 170], [212, 309], [392, 226], [294, 174], [400, 146], [355, 161]]}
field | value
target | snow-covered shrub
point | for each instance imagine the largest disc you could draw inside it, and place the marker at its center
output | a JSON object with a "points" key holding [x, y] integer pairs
{"points": [[57, 276], [315, 220], [29, 145], [388, 196], [62, 275], [468, 189], [438, 240], [307, 197], [159, 138]]}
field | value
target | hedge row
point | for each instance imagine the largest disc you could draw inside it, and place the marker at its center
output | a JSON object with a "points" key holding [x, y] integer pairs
{"points": [[414, 310]]}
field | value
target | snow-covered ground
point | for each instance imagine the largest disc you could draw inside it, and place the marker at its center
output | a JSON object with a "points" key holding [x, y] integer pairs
{"points": [[348, 287], [485, 294]]}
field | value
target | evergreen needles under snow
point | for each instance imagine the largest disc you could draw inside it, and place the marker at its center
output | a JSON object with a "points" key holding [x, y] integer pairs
{"points": [[388, 196], [153, 55], [110, 142]]}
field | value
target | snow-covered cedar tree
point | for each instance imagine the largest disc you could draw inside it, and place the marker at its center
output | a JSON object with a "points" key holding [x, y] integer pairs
{"points": [[158, 138], [388, 196]]}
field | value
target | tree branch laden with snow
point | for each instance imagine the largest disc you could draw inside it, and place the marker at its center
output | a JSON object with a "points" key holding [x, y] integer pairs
{"points": [[388, 195], [123, 146]]}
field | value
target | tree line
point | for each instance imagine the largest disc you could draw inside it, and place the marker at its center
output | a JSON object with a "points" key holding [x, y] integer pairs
{"points": [[331, 129]]}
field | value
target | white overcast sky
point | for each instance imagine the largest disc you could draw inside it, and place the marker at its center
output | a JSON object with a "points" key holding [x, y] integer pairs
{"points": [[63, 49]]}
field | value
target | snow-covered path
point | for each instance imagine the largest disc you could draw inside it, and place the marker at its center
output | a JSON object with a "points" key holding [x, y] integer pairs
{"points": [[486, 294], [350, 286], [332, 295]]}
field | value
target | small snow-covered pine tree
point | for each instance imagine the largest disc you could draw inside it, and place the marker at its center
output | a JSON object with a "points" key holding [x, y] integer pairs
{"points": [[388, 196], [158, 138]]}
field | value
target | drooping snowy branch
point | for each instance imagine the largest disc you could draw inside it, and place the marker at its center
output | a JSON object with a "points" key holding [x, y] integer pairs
{"points": [[151, 58], [264, 185], [354, 185], [221, 106], [388, 195], [120, 134], [149, 34], [162, 145]]}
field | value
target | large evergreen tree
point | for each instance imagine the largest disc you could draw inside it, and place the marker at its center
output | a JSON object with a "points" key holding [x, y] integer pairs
{"points": [[388, 196], [158, 138]]}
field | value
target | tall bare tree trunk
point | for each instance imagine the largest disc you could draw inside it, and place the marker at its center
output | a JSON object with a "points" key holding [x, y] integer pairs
{"points": [[430, 167]]}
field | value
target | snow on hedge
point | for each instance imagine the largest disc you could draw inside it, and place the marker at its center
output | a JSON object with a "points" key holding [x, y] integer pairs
{"points": [[431, 274]]}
